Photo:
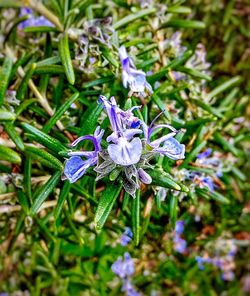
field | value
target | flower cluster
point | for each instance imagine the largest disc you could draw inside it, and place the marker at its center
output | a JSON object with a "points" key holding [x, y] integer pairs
{"points": [[223, 258], [124, 269], [33, 21], [130, 147], [89, 38], [180, 245], [133, 78]]}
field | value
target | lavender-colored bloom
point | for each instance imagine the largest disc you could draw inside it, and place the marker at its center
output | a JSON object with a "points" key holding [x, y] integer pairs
{"points": [[144, 177], [129, 289], [32, 20], [123, 268], [179, 227], [165, 145], [131, 77], [228, 275], [205, 154], [200, 262], [208, 182], [180, 245], [126, 148], [126, 236], [75, 166]]}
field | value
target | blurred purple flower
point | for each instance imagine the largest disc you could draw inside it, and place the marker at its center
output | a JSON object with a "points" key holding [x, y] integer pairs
{"points": [[180, 245], [129, 289], [32, 20], [75, 166], [205, 153], [123, 268], [126, 236], [131, 77], [179, 227]]}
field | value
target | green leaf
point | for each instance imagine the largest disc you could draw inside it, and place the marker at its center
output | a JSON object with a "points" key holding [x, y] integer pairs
{"points": [[161, 106], [13, 134], [10, 155], [193, 72], [62, 197], [90, 119], [98, 81], [6, 115], [226, 144], [57, 115], [65, 57], [24, 202], [40, 29], [224, 86], [109, 56], [49, 69], [160, 178], [136, 217], [48, 62], [43, 138], [45, 191], [106, 203], [132, 17], [24, 85], [179, 9], [43, 157], [187, 24], [207, 107], [173, 203], [5, 72]]}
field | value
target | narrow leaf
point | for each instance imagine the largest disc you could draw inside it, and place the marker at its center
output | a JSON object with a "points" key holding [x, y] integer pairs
{"points": [[5, 73], [45, 191], [43, 138], [65, 58], [136, 217], [106, 203]]}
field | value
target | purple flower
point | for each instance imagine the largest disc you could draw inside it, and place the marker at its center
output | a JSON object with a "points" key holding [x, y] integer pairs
{"points": [[32, 20], [208, 182], [179, 227], [126, 236], [228, 275], [75, 166], [131, 77], [129, 289], [200, 262], [165, 145], [180, 245], [126, 148], [205, 154], [123, 268]]}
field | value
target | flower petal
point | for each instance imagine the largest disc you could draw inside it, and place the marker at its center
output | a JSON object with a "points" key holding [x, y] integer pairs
{"points": [[75, 168], [172, 149], [125, 153], [144, 177]]}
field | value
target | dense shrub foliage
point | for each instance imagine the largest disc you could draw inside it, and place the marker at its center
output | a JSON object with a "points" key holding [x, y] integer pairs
{"points": [[124, 146]]}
